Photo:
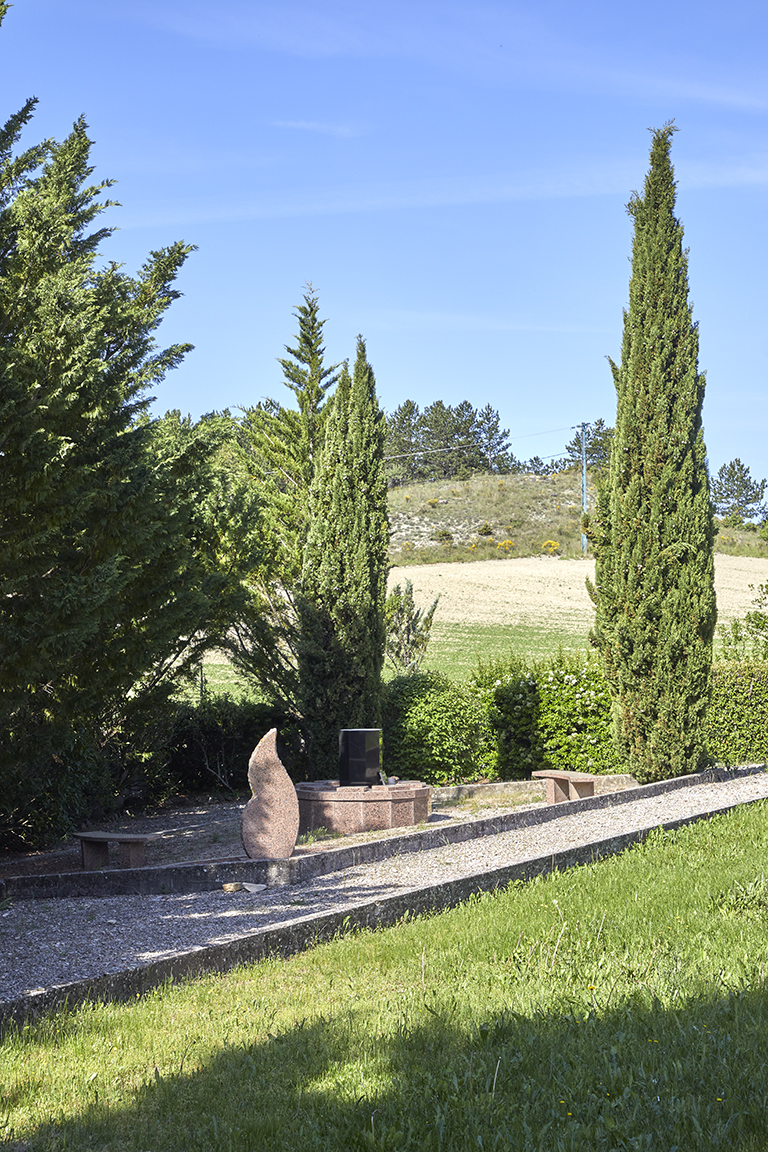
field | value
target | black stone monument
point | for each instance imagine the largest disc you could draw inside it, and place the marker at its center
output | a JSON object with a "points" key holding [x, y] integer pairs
{"points": [[359, 756]]}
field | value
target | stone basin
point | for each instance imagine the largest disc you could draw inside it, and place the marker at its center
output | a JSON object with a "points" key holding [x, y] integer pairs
{"points": [[348, 809]]}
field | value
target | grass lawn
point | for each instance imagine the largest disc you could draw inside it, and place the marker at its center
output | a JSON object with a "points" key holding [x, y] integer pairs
{"points": [[455, 649], [617, 1006]]}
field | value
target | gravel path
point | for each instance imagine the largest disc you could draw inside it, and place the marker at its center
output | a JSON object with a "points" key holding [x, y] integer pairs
{"points": [[44, 944]]}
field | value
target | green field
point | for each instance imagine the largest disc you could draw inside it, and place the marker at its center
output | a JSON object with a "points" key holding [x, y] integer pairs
{"points": [[455, 649], [616, 1006]]}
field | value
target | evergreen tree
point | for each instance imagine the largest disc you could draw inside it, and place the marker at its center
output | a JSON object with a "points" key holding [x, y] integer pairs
{"points": [[106, 589], [736, 496], [599, 439], [403, 445], [305, 373], [283, 443], [654, 583], [442, 442], [408, 630], [493, 442], [341, 609], [280, 450], [450, 439]]}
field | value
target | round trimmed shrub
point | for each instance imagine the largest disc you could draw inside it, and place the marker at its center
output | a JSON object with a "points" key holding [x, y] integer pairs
{"points": [[435, 730]]}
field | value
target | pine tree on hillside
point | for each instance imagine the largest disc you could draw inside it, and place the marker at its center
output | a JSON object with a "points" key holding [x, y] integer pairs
{"points": [[493, 442], [344, 575], [403, 446], [736, 496], [450, 440], [653, 532], [598, 441]]}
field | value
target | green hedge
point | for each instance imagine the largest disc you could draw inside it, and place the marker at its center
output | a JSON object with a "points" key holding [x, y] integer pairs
{"points": [[44, 801], [555, 715], [510, 720], [211, 742], [558, 715], [172, 749], [737, 722], [435, 730]]}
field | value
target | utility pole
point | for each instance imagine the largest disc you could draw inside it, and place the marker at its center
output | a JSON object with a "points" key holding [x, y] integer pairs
{"points": [[584, 481]]}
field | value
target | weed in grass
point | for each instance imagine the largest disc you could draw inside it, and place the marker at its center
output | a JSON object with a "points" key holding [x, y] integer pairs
{"points": [[750, 899], [316, 834]]}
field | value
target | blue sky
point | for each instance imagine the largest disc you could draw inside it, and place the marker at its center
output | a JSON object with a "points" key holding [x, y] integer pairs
{"points": [[451, 177]]}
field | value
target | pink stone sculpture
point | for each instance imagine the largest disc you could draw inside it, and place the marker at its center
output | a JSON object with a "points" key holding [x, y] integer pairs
{"points": [[271, 818]]}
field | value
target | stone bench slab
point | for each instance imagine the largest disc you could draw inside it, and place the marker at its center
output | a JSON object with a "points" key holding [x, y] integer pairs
{"points": [[94, 847], [566, 785]]}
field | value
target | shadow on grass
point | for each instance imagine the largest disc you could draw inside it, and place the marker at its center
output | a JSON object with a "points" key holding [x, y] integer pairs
{"points": [[641, 1076]]}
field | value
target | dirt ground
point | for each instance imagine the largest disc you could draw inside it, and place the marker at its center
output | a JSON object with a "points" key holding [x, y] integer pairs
{"points": [[552, 589]]}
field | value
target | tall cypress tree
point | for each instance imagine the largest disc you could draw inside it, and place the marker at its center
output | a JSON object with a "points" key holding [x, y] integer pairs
{"points": [[654, 530], [344, 575]]}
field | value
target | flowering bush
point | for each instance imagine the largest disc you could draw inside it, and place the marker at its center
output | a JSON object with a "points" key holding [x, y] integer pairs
{"points": [[548, 716], [509, 694], [575, 717]]}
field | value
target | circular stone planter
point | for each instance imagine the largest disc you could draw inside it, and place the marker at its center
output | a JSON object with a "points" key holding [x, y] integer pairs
{"points": [[348, 809]]}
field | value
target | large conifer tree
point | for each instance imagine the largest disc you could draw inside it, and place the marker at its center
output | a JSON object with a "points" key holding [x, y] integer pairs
{"points": [[654, 533], [107, 587], [280, 451], [344, 573]]}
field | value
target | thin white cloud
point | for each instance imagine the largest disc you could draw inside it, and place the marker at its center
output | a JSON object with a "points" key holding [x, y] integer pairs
{"points": [[499, 44], [433, 192], [324, 129], [439, 191], [736, 172]]}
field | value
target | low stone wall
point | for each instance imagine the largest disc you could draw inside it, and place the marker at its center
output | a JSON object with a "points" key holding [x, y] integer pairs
{"points": [[192, 877], [522, 791]]}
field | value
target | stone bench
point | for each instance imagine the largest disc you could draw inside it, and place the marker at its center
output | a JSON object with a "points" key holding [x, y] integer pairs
{"points": [[95, 849], [566, 785]]}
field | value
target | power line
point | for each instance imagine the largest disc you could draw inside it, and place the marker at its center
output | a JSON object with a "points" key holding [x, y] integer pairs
{"points": [[552, 431], [473, 444]]}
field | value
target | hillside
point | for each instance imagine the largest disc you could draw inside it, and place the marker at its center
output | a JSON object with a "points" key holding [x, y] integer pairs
{"points": [[487, 516], [501, 517]]}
